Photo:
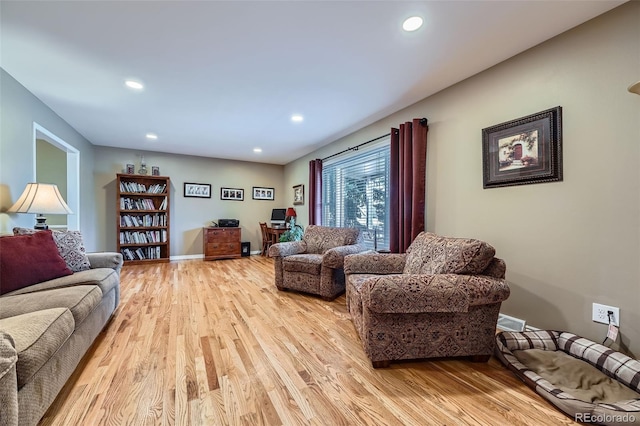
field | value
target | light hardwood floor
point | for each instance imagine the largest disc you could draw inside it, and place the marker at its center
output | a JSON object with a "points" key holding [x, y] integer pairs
{"points": [[214, 343]]}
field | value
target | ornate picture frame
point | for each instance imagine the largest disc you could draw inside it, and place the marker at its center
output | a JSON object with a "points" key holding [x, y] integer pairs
{"points": [[523, 151], [298, 195]]}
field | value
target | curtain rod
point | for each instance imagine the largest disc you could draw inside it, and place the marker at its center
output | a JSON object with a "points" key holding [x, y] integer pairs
{"points": [[423, 121], [355, 148]]}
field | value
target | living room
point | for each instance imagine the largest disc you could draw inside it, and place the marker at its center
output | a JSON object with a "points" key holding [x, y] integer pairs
{"points": [[566, 244]]}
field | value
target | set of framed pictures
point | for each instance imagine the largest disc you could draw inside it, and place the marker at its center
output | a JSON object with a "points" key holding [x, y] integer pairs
{"points": [[203, 190]]}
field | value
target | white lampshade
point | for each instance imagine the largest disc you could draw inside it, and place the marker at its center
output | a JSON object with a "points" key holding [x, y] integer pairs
{"points": [[635, 88], [40, 198]]}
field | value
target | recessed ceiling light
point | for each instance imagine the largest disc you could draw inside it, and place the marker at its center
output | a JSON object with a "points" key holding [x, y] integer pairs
{"points": [[133, 84], [297, 118], [412, 23], [257, 150], [151, 136]]}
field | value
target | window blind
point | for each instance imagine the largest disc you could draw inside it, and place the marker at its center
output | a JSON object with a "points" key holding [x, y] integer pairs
{"points": [[355, 193]]}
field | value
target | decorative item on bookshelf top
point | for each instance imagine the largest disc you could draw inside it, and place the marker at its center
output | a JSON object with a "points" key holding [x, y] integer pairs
{"points": [[155, 171], [143, 166], [130, 169]]}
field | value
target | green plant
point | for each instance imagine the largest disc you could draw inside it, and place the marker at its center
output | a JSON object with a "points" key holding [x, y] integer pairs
{"points": [[294, 233]]}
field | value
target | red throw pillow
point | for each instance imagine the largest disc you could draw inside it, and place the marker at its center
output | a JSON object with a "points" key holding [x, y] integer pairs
{"points": [[29, 259]]}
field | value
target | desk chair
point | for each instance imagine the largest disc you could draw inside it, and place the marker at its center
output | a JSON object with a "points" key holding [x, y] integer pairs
{"points": [[266, 238]]}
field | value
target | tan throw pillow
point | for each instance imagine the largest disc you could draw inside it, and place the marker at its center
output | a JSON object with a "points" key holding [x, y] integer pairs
{"points": [[70, 246]]}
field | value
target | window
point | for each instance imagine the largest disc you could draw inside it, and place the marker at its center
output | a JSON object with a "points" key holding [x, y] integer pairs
{"points": [[355, 193]]}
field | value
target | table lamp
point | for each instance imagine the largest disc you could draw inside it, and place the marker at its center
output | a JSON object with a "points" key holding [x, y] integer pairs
{"points": [[40, 198], [291, 214]]}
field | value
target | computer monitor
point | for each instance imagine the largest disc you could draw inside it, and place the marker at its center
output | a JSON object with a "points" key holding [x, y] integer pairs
{"points": [[278, 216]]}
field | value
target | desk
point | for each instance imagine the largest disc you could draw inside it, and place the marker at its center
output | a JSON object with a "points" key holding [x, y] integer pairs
{"points": [[275, 233]]}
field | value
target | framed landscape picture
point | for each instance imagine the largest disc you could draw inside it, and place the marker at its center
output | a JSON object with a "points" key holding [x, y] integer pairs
{"points": [[523, 151]]}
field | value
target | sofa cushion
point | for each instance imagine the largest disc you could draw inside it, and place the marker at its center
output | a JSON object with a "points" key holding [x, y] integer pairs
{"points": [[322, 238], [70, 246], [29, 259], [80, 300], [434, 254], [37, 336], [105, 278], [306, 263]]}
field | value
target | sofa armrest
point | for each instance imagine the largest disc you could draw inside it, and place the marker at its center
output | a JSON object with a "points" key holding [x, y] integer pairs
{"points": [[374, 263], [409, 293], [105, 260], [287, 249], [8, 381], [414, 294], [485, 290], [334, 257]]}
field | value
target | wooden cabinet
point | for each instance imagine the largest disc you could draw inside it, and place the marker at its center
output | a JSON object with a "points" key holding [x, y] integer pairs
{"points": [[221, 243], [143, 218]]}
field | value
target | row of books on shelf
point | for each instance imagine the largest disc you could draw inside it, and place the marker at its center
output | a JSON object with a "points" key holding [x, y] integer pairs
{"points": [[143, 237], [144, 220], [142, 188], [140, 204], [141, 253]]}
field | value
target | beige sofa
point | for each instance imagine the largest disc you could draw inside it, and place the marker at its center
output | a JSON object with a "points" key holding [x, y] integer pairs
{"points": [[45, 330]]}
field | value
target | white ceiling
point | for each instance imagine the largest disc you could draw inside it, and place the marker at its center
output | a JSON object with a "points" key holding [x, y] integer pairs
{"points": [[224, 77]]}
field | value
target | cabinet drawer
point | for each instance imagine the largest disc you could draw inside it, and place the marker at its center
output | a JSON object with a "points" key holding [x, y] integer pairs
{"points": [[218, 248], [231, 235]]}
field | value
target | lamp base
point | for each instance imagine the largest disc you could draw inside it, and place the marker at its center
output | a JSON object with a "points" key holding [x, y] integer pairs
{"points": [[41, 222]]}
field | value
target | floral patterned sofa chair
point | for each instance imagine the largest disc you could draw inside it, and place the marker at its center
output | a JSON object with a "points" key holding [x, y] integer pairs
{"points": [[440, 299], [315, 264]]}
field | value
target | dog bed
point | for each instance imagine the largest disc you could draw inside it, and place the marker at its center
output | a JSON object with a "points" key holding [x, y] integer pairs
{"points": [[589, 382]]}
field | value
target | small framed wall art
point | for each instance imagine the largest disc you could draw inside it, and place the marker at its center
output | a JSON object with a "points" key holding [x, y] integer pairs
{"points": [[197, 190], [262, 193], [298, 194], [522, 151], [233, 194]]}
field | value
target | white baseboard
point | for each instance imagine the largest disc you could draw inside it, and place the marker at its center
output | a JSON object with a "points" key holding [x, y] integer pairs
{"points": [[201, 256], [187, 257]]}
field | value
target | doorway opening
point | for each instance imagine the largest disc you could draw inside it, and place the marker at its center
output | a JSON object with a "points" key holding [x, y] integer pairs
{"points": [[55, 161]]}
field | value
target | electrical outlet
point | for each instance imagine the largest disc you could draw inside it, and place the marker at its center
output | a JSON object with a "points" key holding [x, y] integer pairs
{"points": [[600, 313]]}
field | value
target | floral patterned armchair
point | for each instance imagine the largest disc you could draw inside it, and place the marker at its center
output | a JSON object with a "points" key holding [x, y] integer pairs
{"points": [[440, 299], [315, 264]]}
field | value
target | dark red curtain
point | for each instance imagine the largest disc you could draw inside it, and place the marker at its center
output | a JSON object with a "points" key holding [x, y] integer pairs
{"points": [[315, 192], [407, 183]]}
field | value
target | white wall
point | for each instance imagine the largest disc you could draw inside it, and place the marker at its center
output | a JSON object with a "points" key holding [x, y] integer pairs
{"points": [[566, 244]]}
